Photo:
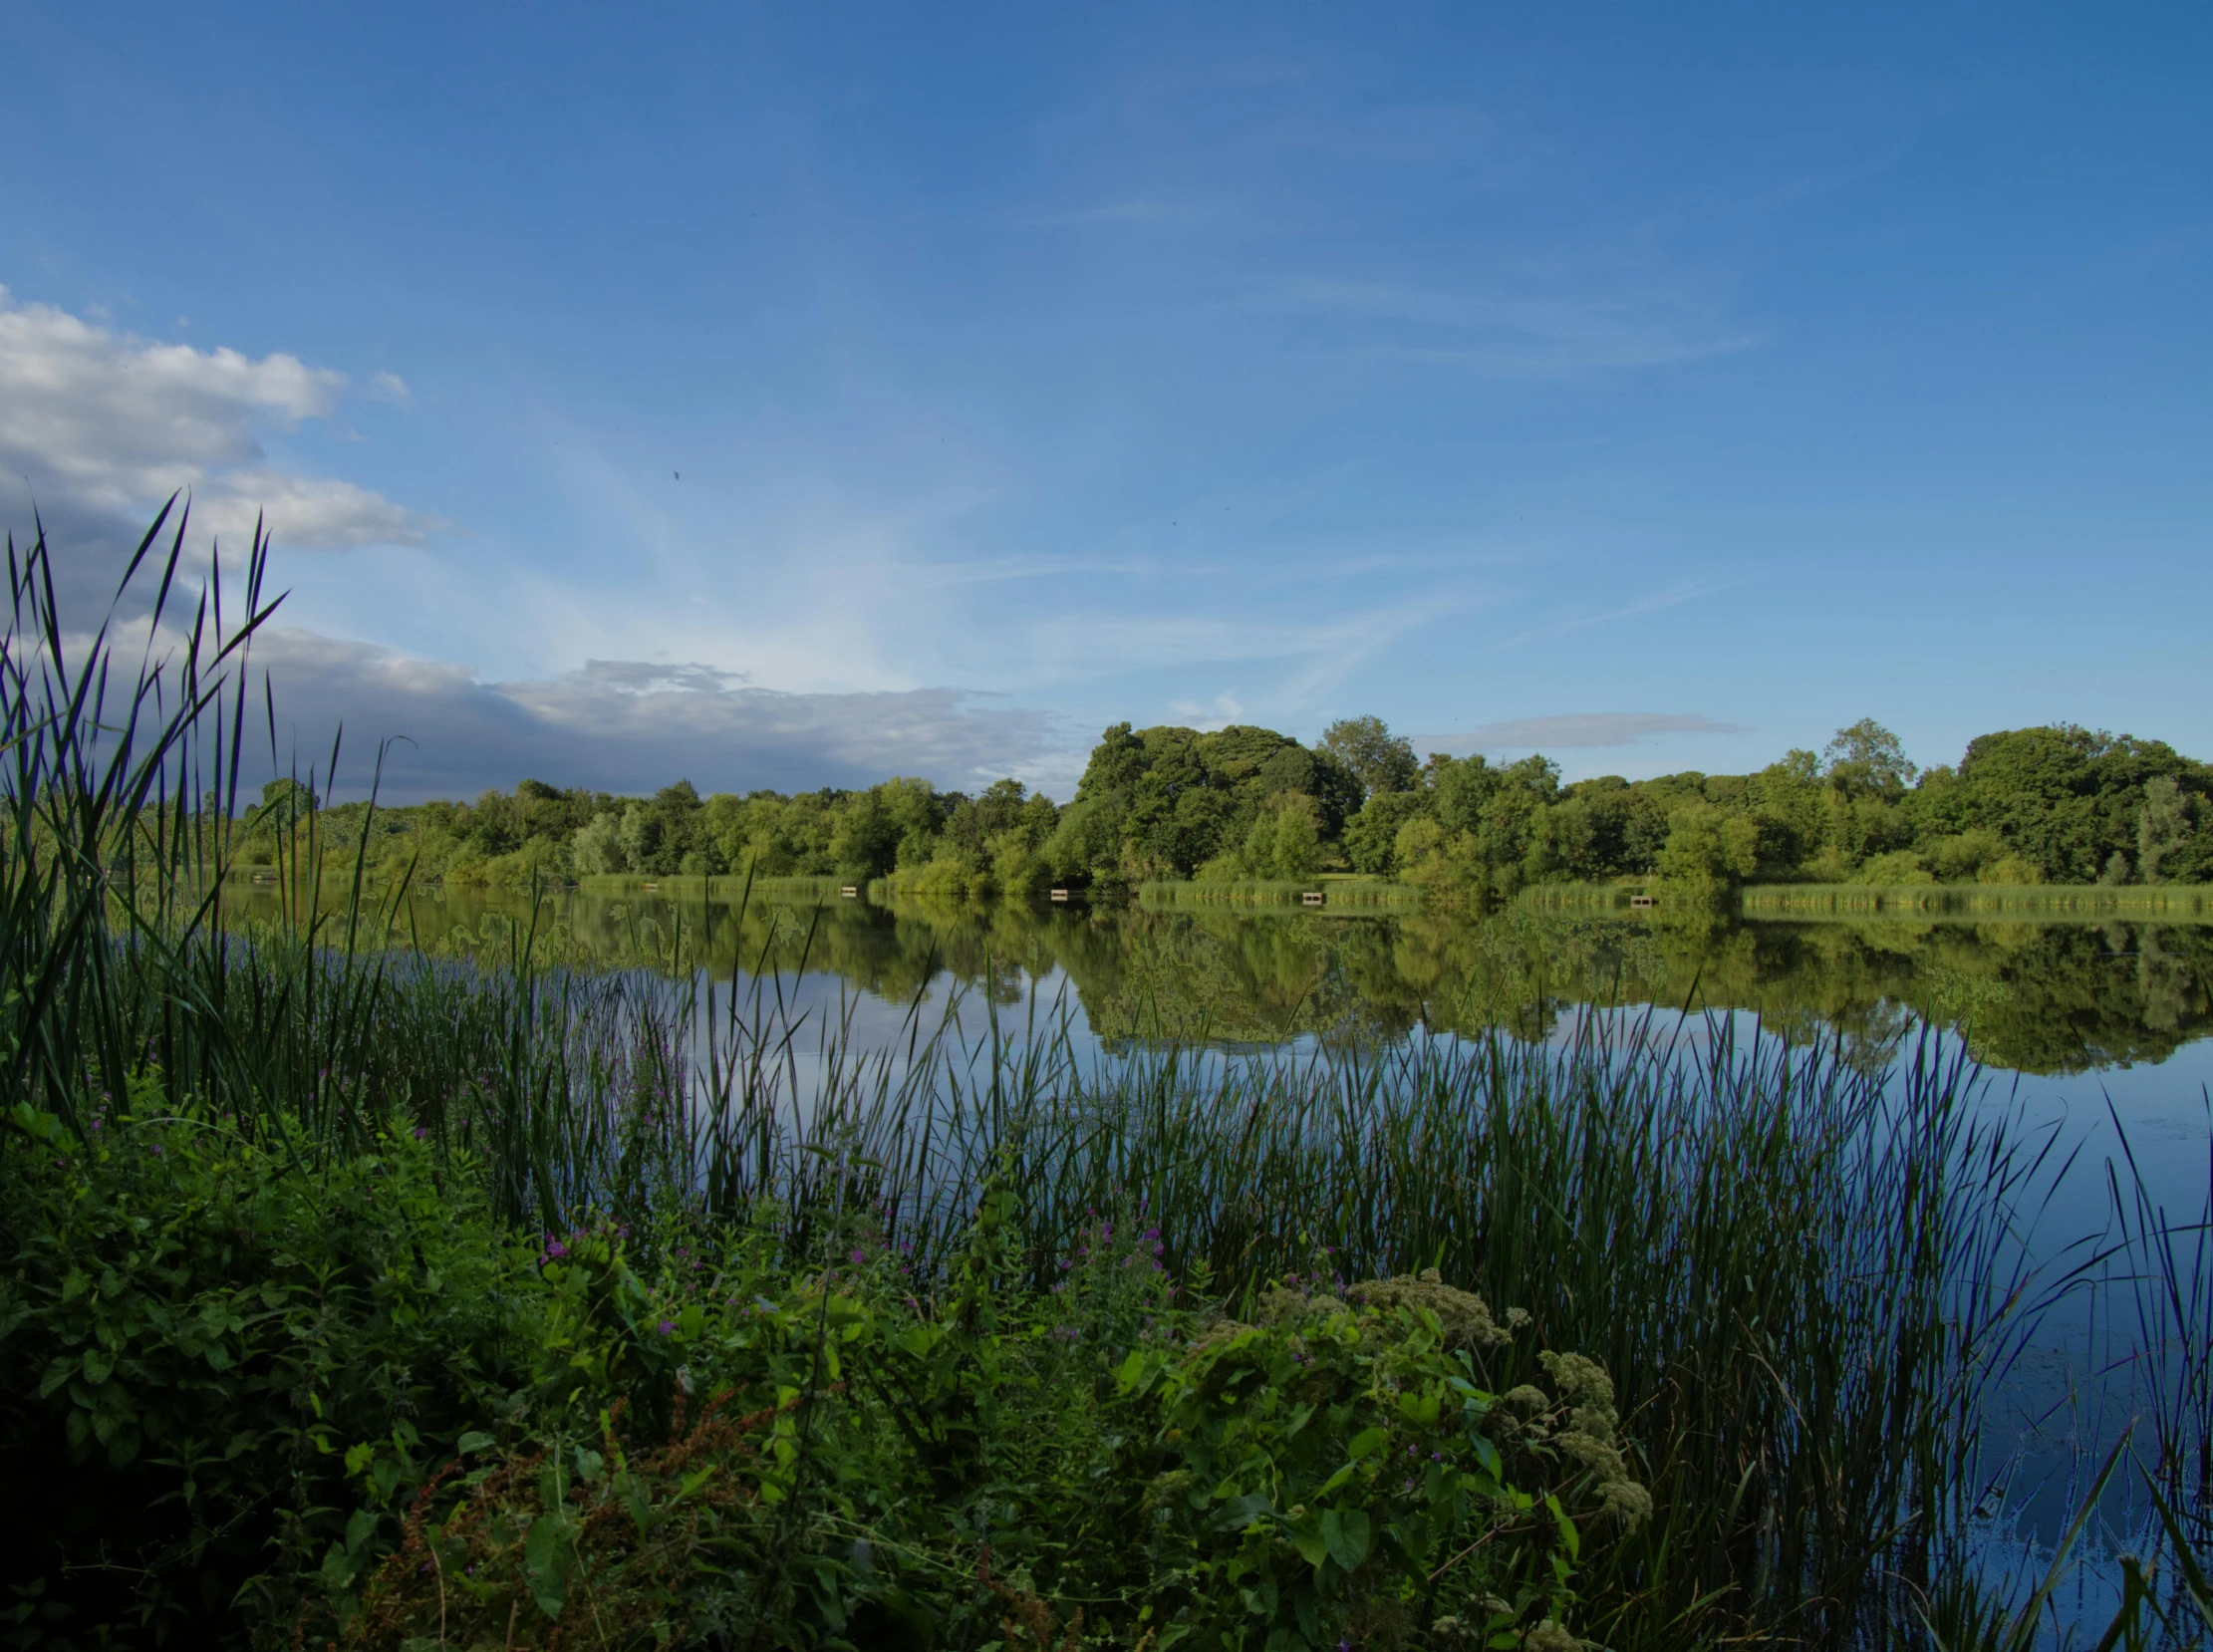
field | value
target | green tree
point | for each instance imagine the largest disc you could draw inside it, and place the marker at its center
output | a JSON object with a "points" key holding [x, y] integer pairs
{"points": [[2163, 827], [1866, 756], [598, 847], [1371, 836], [1378, 759], [1285, 839], [1709, 852]]}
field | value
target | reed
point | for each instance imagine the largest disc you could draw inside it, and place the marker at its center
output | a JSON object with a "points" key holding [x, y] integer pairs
{"points": [[119, 813], [1792, 1271], [2172, 900], [1362, 894], [1612, 896]]}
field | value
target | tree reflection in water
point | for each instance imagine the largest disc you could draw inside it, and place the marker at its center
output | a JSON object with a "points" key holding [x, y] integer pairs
{"points": [[2031, 996]]}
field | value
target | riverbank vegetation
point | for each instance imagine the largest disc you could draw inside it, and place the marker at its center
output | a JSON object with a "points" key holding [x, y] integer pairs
{"points": [[354, 1294], [1242, 806]]}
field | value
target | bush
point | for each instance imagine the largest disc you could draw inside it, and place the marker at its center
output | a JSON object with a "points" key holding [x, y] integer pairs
{"points": [[280, 1398], [212, 1353]]}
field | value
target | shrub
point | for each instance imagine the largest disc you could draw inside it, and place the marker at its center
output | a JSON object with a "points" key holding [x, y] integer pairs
{"points": [[281, 1399], [1340, 1471], [212, 1352]]}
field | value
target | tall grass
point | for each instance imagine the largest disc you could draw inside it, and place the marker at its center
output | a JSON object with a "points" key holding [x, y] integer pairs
{"points": [[1790, 1269], [1801, 1273], [2076, 900], [1607, 897], [1367, 895], [120, 807]]}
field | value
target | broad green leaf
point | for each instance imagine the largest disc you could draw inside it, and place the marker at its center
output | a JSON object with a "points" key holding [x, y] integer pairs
{"points": [[548, 1553], [1367, 1442], [1345, 1530]]}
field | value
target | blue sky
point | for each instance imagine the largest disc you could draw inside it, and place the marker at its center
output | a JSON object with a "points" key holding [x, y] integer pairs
{"points": [[1661, 386]]}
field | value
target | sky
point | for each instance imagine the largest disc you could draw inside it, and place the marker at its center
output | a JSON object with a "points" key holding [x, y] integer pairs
{"points": [[799, 395]]}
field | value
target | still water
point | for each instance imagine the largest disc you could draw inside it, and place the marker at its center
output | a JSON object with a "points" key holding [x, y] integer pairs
{"points": [[2100, 1031]]}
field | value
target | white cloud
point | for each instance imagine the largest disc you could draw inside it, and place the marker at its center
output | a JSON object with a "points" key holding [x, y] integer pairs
{"points": [[105, 425], [629, 726], [389, 387], [1574, 730], [317, 511], [1225, 710]]}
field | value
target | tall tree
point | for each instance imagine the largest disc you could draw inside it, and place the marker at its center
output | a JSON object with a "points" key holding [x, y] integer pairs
{"points": [[1868, 754], [1379, 760]]}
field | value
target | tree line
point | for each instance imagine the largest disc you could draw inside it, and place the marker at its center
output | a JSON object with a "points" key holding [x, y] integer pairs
{"points": [[2047, 804]]}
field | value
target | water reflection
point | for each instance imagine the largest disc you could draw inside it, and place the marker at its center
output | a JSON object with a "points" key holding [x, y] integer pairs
{"points": [[2035, 998]]}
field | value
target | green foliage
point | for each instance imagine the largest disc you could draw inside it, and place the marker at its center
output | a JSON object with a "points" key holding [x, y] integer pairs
{"points": [[1382, 762], [1371, 836], [345, 1398], [2036, 805], [1340, 1469], [1708, 853], [216, 1355], [1165, 802]]}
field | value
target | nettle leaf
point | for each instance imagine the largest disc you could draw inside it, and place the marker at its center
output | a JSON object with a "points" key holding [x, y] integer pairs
{"points": [[1367, 1442]]}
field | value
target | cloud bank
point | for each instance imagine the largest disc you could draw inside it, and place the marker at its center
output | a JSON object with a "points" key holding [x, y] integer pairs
{"points": [[1575, 731], [624, 727], [104, 427]]}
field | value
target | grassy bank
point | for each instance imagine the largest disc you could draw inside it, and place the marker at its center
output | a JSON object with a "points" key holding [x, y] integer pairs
{"points": [[1613, 897], [2178, 901], [1338, 892], [357, 1295]]}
